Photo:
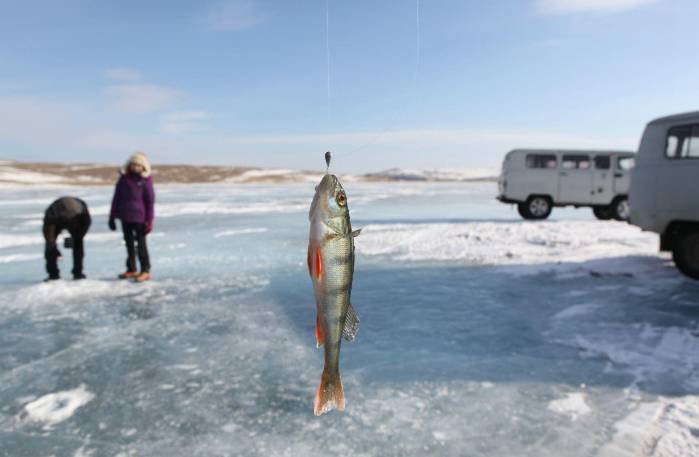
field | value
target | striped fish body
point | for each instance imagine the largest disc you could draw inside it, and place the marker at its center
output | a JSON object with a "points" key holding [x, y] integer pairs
{"points": [[331, 267]]}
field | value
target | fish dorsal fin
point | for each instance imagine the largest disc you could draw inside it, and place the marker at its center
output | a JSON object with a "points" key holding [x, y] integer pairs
{"points": [[349, 331]]}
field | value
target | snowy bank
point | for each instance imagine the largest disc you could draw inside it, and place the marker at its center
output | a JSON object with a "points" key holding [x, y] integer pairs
{"points": [[532, 244]]}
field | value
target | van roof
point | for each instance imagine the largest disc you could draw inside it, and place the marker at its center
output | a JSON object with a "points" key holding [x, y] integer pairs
{"points": [[692, 116], [571, 151]]}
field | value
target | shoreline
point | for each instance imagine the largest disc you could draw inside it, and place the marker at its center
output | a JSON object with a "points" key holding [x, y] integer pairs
{"points": [[33, 174]]}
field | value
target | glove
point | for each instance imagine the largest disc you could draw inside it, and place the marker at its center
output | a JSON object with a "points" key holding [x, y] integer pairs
{"points": [[112, 224], [149, 227]]}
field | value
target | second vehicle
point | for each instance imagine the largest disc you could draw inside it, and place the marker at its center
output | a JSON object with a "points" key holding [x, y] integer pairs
{"points": [[536, 180]]}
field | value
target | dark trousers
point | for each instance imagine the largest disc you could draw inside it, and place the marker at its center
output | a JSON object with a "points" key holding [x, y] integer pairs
{"points": [[77, 229], [136, 234]]}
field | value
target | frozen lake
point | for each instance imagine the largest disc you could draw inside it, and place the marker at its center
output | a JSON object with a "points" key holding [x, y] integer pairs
{"points": [[481, 334]]}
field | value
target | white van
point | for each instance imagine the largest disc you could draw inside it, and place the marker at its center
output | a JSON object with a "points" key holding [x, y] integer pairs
{"points": [[665, 191], [539, 179]]}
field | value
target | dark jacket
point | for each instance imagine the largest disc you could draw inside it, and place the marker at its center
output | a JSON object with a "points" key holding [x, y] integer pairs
{"points": [[66, 213], [134, 199]]}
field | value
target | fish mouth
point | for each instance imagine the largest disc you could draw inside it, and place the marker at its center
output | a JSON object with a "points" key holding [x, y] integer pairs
{"points": [[328, 186]]}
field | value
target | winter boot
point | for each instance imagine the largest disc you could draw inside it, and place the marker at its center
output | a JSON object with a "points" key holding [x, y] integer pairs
{"points": [[144, 276], [128, 275]]}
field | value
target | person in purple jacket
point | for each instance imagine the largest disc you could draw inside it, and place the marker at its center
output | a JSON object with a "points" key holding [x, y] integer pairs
{"points": [[133, 204]]}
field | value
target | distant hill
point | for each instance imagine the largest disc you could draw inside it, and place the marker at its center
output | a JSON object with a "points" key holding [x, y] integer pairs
{"points": [[29, 173]]}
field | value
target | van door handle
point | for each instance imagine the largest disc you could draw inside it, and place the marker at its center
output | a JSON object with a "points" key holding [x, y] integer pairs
{"points": [[563, 173], [618, 175]]}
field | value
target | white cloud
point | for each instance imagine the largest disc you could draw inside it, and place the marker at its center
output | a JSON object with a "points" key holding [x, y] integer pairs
{"points": [[141, 98], [586, 6], [123, 74], [233, 15], [184, 122]]}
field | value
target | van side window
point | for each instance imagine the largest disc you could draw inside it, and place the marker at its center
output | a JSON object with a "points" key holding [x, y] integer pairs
{"points": [[626, 163], [573, 162], [541, 161], [682, 142], [603, 162]]}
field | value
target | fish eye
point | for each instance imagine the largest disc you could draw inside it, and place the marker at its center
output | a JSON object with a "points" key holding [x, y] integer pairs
{"points": [[341, 199]]}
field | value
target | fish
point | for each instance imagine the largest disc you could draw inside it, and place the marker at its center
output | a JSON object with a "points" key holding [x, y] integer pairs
{"points": [[331, 268]]}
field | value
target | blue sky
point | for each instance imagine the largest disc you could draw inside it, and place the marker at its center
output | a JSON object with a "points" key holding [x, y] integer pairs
{"points": [[428, 84]]}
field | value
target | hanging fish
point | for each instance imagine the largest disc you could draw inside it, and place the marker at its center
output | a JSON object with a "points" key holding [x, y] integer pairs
{"points": [[331, 267]]}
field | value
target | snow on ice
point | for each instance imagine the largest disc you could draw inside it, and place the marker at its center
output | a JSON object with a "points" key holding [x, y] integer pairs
{"points": [[572, 405], [54, 408], [481, 334]]}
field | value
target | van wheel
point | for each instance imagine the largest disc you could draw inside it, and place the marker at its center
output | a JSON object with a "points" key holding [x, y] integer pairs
{"points": [[685, 254], [603, 213], [621, 209], [535, 208]]}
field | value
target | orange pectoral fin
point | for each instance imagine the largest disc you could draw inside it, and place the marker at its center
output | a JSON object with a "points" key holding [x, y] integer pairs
{"points": [[319, 264], [320, 338]]}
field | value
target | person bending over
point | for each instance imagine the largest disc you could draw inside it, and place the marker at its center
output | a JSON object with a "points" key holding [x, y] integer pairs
{"points": [[66, 213], [133, 204]]}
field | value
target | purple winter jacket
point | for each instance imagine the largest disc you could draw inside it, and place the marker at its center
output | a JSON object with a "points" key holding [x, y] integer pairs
{"points": [[134, 199]]}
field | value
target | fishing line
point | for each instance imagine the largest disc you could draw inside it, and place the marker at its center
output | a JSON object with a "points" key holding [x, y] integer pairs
{"points": [[327, 53], [417, 39]]}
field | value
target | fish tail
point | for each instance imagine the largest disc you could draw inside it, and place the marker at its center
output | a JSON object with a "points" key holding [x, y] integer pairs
{"points": [[329, 395]]}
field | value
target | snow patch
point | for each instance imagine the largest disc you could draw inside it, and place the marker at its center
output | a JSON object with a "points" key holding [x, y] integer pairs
{"points": [[647, 352], [16, 176], [576, 310], [668, 427], [245, 231], [54, 408], [215, 207], [8, 240], [510, 243], [12, 258], [437, 174], [572, 405]]}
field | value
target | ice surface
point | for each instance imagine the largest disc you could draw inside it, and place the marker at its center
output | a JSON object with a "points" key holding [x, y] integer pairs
{"points": [[243, 231], [482, 334]]}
